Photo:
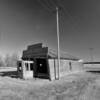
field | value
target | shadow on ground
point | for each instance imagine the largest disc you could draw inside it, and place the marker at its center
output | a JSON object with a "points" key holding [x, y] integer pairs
{"points": [[12, 74]]}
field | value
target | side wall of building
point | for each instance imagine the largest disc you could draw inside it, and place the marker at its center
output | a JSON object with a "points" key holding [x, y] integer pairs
{"points": [[77, 66], [66, 67]]}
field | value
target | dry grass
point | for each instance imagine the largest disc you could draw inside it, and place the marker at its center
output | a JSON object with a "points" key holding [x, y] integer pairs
{"points": [[78, 86]]}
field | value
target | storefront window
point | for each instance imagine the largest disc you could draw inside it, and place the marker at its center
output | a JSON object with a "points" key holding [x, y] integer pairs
{"points": [[26, 65]]}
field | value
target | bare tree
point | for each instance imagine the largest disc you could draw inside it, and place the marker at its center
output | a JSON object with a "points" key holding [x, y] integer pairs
{"points": [[1, 61], [11, 60], [14, 59], [7, 60]]}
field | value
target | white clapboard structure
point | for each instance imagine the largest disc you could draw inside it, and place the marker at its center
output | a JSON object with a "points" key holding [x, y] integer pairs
{"points": [[92, 66], [41, 62]]}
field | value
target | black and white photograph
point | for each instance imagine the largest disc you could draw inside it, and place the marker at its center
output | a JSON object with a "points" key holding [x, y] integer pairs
{"points": [[49, 50]]}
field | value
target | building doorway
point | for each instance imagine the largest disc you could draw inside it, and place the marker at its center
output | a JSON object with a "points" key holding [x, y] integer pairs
{"points": [[42, 68], [25, 69]]}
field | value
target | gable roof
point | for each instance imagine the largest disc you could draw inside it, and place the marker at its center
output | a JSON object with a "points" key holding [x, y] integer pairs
{"points": [[63, 55], [37, 50]]}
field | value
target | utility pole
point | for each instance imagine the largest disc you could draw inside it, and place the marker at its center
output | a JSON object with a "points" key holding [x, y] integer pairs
{"points": [[57, 6], [58, 43]]}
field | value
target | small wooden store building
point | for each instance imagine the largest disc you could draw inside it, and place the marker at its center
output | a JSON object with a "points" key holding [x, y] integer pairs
{"points": [[41, 62]]}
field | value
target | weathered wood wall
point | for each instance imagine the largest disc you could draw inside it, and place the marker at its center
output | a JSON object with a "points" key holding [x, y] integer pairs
{"points": [[35, 50], [65, 67]]}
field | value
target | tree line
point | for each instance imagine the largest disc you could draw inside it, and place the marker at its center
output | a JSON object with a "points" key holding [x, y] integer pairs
{"points": [[9, 60]]}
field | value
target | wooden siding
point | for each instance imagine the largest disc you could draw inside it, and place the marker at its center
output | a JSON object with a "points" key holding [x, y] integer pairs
{"points": [[65, 67]]}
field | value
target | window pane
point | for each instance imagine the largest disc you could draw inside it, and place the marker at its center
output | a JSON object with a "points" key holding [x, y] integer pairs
{"points": [[31, 66], [26, 65], [19, 66]]}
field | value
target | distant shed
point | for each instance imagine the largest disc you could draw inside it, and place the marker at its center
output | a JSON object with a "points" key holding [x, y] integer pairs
{"points": [[92, 66], [42, 63]]}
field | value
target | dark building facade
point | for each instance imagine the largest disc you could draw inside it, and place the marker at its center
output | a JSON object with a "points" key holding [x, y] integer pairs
{"points": [[41, 62]]}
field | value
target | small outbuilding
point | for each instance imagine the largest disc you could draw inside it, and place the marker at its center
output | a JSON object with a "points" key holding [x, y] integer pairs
{"points": [[41, 62]]}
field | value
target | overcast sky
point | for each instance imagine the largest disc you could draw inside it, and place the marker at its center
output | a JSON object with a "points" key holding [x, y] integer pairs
{"points": [[25, 22]]}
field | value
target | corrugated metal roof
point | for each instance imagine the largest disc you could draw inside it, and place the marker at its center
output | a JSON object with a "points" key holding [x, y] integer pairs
{"points": [[63, 55]]}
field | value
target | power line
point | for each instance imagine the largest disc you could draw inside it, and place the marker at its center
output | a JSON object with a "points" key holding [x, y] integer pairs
{"points": [[57, 6], [50, 4], [53, 4], [65, 11], [57, 21], [44, 5]]}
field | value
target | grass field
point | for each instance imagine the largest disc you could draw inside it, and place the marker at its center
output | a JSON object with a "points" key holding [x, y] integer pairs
{"points": [[79, 86]]}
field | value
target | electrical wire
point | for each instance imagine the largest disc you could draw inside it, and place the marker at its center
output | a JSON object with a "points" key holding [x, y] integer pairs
{"points": [[50, 5], [65, 11], [44, 5]]}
